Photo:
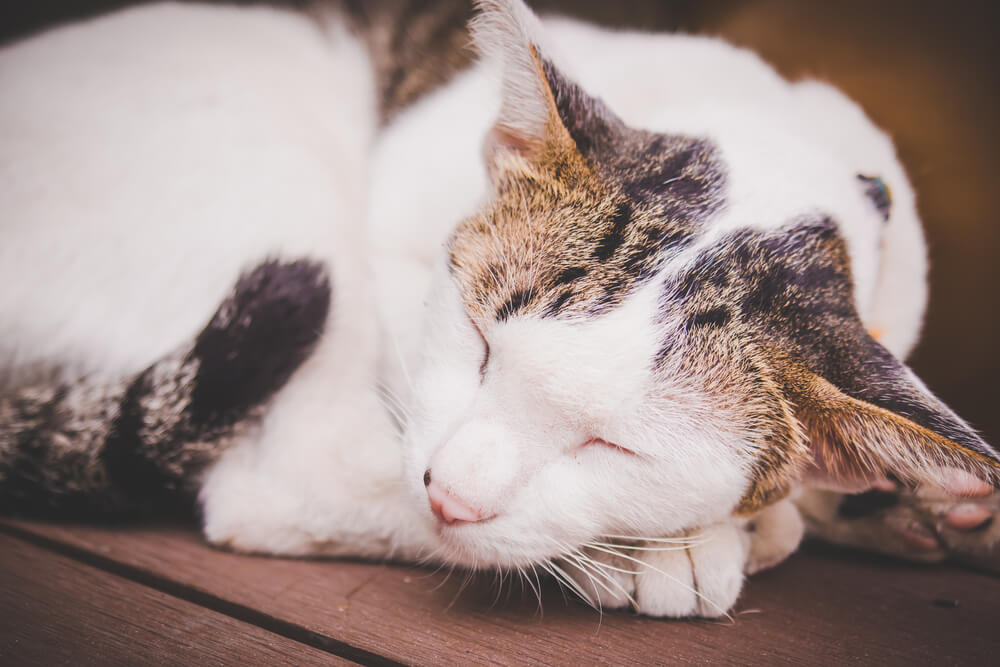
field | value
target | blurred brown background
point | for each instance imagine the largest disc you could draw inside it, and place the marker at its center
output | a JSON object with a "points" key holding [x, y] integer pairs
{"points": [[925, 71]]}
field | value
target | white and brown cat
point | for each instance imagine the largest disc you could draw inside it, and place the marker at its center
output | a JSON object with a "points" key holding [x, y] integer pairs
{"points": [[596, 303]]}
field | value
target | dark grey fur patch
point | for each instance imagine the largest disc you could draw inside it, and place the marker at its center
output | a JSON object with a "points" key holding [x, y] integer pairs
{"points": [[878, 192], [90, 449], [681, 177], [715, 317], [517, 301], [863, 505], [257, 338]]}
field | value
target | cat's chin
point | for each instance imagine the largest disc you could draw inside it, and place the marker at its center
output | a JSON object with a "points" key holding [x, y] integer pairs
{"points": [[491, 544]]}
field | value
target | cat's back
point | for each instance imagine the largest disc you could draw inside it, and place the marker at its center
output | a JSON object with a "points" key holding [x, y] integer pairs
{"points": [[149, 155]]}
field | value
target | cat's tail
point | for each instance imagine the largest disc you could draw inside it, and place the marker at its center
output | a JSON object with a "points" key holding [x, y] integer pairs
{"points": [[127, 447]]}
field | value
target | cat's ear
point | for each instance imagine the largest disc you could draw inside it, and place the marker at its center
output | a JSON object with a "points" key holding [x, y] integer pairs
{"points": [[878, 420], [864, 414], [542, 112]]}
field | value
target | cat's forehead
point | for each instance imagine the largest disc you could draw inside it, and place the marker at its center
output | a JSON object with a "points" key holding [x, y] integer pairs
{"points": [[572, 233], [597, 363]]}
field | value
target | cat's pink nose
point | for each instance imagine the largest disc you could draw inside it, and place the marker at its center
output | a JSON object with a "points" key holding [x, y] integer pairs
{"points": [[447, 507]]}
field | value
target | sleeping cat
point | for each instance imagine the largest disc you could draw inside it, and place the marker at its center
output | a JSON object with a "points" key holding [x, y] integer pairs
{"points": [[597, 303]]}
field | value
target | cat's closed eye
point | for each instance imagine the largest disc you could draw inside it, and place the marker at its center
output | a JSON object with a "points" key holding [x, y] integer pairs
{"points": [[486, 349], [601, 442]]}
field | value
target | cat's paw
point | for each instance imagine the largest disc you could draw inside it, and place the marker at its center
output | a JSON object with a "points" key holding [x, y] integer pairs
{"points": [[926, 524], [775, 533], [698, 575]]}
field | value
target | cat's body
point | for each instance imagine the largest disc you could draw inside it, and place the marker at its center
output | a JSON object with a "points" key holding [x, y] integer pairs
{"points": [[147, 164]]}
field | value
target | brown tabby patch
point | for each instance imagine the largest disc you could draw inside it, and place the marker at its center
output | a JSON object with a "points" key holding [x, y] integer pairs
{"points": [[586, 216], [416, 46], [770, 317]]}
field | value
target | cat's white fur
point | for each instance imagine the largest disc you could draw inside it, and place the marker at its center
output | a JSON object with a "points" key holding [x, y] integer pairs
{"points": [[150, 155]]}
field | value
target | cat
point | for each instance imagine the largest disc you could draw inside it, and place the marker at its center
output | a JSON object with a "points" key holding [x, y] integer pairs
{"points": [[594, 302]]}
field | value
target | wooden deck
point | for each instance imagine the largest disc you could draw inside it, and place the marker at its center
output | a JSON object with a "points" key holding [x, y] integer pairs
{"points": [[85, 595]]}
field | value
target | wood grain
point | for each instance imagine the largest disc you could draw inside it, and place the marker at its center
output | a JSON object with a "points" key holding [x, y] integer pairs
{"points": [[925, 71], [822, 605], [56, 610]]}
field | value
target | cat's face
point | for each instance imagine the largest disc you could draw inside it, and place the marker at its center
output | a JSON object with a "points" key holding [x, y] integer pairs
{"points": [[598, 363], [559, 430]]}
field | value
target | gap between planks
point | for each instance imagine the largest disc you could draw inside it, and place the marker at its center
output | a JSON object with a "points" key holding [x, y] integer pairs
{"points": [[58, 610], [217, 604], [821, 605]]}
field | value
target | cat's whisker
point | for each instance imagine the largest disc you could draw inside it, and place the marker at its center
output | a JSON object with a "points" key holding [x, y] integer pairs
{"points": [[600, 569], [585, 565], [396, 411], [547, 567], [589, 569], [532, 266], [493, 273], [594, 602], [677, 581], [564, 577], [451, 571], [402, 362], [566, 551], [471, 573], [537, 588], [431, 556], [397, 404], [609, 566], [642, 548], [499, 586], [681, 539]]}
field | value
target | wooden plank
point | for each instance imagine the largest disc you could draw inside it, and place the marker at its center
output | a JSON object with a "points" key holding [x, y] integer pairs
{"points": [[57, 610], [821, 605]]}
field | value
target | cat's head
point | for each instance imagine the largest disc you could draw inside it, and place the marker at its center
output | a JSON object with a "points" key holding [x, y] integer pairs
{"points": [[597, 363]]}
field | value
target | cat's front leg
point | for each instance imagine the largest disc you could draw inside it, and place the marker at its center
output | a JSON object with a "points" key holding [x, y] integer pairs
{"points": [[697, 575]]}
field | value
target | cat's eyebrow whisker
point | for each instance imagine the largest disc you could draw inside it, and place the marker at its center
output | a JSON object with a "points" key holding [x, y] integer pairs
{"points": [[387, 393], [496, 278], [532, 268]]}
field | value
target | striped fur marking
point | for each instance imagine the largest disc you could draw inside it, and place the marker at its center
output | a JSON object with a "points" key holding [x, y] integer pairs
{"points": [[778, 308], [129, 447], [583, 215]]}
